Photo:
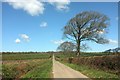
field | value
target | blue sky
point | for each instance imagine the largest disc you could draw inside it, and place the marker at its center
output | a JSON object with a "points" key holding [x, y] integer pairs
{"points": [[39, 28]]}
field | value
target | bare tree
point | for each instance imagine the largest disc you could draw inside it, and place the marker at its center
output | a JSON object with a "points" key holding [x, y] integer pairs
{"points": [[87, 26]]}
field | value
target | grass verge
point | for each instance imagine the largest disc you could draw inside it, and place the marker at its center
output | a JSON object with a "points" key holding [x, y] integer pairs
{"points": [[18, 69], [93, 73], [41, 71]]}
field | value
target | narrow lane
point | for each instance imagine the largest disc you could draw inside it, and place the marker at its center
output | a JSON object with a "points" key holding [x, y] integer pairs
{"points": [[62, 71]]}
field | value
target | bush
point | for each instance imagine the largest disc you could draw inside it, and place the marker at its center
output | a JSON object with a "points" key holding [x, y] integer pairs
{"points": [[107, 63], [70, 59]]}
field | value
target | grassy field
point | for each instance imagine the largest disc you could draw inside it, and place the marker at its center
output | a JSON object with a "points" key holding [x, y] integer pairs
{"points": [[26, 65], [25, 56], [0, 69], [39, 65], [82, 54]]}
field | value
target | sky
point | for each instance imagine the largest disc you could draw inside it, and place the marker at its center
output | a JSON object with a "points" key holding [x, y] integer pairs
{"points": [[38, 26]]}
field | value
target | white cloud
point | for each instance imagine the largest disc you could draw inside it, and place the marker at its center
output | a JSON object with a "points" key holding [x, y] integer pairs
{"points": [[17, 41], [25, 37], [57, 41], [60, 4], [33, 7], [113, 41], [43, 24], [36, 7]]}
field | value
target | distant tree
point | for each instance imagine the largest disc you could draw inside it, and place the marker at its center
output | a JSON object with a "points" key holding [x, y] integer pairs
{"points": [[87, 26], [66, 46]]}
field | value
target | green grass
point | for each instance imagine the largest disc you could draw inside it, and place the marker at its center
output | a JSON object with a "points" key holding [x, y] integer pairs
{"points": [[42, 71], [0, 64], [92, 73], [67, 55], [16, 69], [26, 65], [25, 56], [0, 69]]}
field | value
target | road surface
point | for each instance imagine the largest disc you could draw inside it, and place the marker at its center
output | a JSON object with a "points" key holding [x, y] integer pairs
{"points": [[62, 71]]}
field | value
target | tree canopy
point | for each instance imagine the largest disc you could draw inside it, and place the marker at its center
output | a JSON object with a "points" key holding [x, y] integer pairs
{"points": [[87, 26], [66, 46]]}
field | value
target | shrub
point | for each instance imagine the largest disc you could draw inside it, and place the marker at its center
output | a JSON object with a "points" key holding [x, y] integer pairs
{"points": [[107, 63]]}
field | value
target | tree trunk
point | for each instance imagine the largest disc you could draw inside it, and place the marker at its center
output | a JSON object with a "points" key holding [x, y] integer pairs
{"points": [[78, 41], [78, 47]]}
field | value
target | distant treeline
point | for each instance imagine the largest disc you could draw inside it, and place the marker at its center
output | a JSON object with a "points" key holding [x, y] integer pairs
{"points": [[24, 52], [70, 52]]}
